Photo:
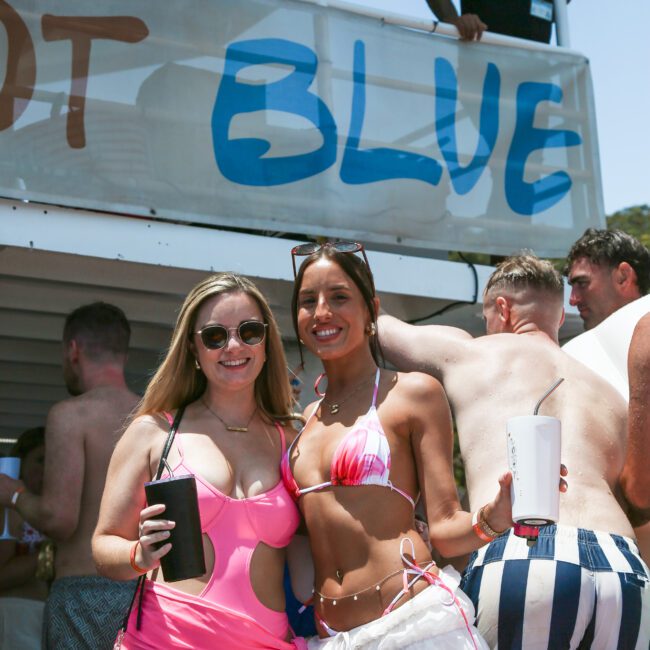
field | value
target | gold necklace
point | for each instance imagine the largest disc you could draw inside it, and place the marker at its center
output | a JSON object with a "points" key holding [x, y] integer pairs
{"points": [[335, 407], [243, 429]]}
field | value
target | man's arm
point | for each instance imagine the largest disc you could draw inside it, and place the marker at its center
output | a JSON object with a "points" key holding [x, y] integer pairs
{"points": [[423, 348], [635, 478], [56, 512], [444, 10], [470, 27], [450, 528]]}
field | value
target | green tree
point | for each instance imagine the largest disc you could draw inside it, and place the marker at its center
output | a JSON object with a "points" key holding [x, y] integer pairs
{"points": [[634, 220]]}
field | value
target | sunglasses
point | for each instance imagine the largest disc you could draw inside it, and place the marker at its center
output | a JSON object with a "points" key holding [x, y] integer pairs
{"points": [[339, 246], [249, 332]]}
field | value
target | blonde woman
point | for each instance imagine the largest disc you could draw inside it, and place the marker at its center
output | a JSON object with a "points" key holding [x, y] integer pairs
{"points": [[226, 368]]}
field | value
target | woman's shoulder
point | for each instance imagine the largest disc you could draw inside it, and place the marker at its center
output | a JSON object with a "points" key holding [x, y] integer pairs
{"points": [[161, 420], [289, 427], [147, 427], [417, 386]]}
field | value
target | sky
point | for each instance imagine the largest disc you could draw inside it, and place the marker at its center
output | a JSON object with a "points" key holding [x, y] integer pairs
{"points": [[618, 48]]}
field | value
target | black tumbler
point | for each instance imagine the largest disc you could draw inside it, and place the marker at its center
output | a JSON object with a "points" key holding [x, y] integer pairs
{"points": [[178, 493]]}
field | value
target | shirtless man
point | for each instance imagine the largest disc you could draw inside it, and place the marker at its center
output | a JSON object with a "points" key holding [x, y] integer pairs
{"points": [[544, 596], [83, 610]]}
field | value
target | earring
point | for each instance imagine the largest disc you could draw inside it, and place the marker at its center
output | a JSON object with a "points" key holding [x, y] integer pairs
{"points": [[371, 330], [197, 365], [317, 384]]}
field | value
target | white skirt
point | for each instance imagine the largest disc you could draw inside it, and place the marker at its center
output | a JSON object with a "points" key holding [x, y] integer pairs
{"points": [[429, 620]]}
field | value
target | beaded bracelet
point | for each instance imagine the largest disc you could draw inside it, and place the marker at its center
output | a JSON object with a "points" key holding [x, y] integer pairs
{"points": [[134, 566]]}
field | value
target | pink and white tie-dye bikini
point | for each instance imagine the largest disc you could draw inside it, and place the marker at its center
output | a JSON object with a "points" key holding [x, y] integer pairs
{"points": [[361, 458]]}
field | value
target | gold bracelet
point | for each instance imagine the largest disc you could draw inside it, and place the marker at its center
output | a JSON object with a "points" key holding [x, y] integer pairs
{"points": [[487, 529]]}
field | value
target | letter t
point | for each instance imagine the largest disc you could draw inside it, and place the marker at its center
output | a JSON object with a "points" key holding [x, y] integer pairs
{"points": [[81, 30]]}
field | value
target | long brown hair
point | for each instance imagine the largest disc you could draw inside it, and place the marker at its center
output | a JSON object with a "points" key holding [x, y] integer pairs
{"points": [[177, 382], [359, 272]]}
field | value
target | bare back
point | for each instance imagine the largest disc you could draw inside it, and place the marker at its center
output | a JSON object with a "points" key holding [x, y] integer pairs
{"points": [[81, 435], [495, 377], [504, 375]]}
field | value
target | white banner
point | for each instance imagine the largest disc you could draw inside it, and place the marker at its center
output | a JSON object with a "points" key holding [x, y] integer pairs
{"points": [[284, 116]]}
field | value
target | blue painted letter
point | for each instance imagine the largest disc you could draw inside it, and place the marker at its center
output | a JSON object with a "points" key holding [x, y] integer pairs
{"points": [[379, 164], [464, 178], [242, 160], [532, 198]]}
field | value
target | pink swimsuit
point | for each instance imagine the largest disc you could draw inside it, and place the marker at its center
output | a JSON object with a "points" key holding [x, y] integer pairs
{"points": [[361, 458], [227, 613]]}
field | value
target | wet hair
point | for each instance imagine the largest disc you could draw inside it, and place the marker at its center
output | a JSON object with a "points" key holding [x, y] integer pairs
{"points": [[359, 272], [610, 248], [28, 441], [178, 382], [525, 271], [100, 329]]}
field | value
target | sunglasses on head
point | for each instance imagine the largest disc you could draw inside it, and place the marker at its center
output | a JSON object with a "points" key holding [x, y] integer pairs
{"points": [[250, 332], [339, 246]]}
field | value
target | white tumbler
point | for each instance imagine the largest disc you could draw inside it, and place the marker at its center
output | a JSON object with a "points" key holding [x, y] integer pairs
{"points": [[534, 448]]}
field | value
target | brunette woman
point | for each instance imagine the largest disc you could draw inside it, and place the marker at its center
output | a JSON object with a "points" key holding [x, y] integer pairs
{"points": [[373, 444]]}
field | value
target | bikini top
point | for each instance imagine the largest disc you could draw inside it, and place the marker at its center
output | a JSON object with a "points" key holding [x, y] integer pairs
{"points": [[361, 458], [235, 528]]}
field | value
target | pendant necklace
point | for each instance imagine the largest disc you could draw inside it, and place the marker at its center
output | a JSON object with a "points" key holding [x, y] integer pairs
{"points": [[229, 427], [335, 407]]}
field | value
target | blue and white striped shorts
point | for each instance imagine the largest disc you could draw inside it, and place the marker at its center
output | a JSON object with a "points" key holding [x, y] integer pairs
{"points": [[575, 588]]}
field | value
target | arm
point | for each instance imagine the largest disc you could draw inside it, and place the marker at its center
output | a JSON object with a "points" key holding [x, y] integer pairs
{"points": [[301, 568], [56, 512], [444, 10], [635, 478], [123, 519], [470, 27], [450, 528], [425, 348]]}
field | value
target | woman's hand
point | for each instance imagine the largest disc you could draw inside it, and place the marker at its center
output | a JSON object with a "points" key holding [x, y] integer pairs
{"points": [[498, 513], [152, 531]]}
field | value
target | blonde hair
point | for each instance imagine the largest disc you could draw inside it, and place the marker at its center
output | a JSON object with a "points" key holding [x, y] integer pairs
{"points": [[178, 382], [524, 271]]}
